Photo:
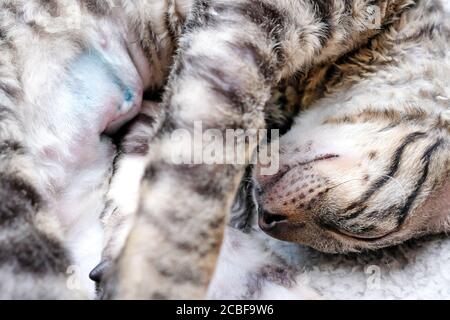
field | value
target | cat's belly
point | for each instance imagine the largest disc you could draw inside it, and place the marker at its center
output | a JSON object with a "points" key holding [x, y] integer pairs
{"points": [[88, 93], [101, 95]]}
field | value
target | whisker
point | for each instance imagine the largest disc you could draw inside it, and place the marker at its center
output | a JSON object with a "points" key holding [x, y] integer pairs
{"points": [[395, 180], [342, 183]]}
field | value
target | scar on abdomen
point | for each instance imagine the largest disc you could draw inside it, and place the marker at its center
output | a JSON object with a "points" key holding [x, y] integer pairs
{"points": [[128, 96]]}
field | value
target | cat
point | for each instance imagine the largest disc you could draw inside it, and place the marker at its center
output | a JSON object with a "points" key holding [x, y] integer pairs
{"points": [[218, 62]]}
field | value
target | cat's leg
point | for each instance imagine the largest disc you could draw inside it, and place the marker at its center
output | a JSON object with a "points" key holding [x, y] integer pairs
{"points": [[231, 54], [123, 195]]}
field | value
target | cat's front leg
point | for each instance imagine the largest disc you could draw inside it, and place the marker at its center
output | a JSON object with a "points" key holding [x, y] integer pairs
{"points": [[122, 199], [222, 80]]}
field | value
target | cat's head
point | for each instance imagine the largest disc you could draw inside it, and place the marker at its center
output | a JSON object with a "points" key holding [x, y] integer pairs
{"points": [[366, 179]]}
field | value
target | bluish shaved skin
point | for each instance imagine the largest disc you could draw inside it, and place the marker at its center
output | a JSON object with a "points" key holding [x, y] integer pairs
{"points": [[129, 95], [91, 77]]}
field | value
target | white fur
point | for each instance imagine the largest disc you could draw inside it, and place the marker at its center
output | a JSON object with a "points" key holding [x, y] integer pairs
{"points": [[419, 271]]}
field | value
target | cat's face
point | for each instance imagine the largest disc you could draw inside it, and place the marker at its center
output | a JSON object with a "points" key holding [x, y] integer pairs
{"points": [[358, 180]]}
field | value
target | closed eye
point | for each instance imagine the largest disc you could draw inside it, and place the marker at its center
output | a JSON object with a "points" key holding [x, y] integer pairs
{"points": [[359, 237], [340, 232]]}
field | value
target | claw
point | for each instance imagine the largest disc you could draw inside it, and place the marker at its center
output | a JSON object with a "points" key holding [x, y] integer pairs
{"points": [[97, 273]]}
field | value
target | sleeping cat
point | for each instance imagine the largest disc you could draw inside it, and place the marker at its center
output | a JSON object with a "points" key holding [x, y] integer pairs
{"points": [[230, 54]]}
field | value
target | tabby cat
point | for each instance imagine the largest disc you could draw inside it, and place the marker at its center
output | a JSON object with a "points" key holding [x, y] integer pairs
{"points": [[65, 87]]}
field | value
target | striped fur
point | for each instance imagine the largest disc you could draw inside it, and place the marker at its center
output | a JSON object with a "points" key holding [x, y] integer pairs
{"points": [[230, 55], [32, 259], [366, 164]]}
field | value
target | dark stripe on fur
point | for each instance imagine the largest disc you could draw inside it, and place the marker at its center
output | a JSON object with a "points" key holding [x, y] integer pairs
{"points": [[17, 198], [33, 252], [427, 31], [97, 7], [263, 14], [145, 119], [202, 179], [270, 19], [173, 34], [393, 168], [135, 145], [11, 7], [383, 214], [426, 159], [3, 34], [390, 127], [27, 249], [10, 91], [250, 52], [228, 87], [359, 229], [8, 147], [51, 6], [201, 17], [244, 205], [324, 12]]}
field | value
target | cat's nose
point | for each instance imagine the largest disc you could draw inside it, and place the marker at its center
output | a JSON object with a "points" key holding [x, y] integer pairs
{"points": [[269, 221]]}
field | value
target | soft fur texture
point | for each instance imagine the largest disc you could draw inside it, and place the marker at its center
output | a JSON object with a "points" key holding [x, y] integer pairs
{"points": [[367, 165], [57, 159], [255, 266]]}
